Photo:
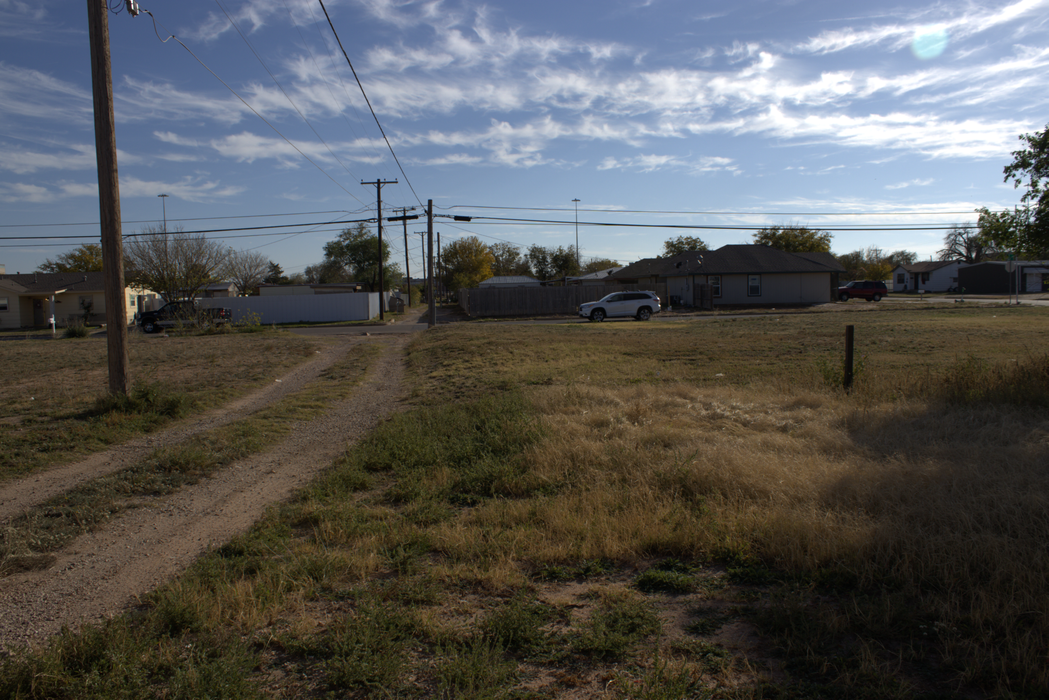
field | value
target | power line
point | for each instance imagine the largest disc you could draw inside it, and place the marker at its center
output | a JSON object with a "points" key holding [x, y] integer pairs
{"points": [[486, 219], [199, 218], [350, 64], [715, 213], [237, 95]]}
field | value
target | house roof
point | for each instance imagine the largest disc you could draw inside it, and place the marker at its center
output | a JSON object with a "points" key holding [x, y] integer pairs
{"points": [[51, 282], [741, 259], [599, 274], [928, 265], [509, 280]]}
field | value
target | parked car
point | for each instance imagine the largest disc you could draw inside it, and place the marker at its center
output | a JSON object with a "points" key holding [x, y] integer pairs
{"points": [[181, 314], [640, 305], [865, 289]]}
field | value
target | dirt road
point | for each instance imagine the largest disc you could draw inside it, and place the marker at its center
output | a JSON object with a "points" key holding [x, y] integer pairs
{"points": [[100, 574]]}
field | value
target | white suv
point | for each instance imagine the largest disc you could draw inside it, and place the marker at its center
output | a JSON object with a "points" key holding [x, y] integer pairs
{"points": [[640, 305]]}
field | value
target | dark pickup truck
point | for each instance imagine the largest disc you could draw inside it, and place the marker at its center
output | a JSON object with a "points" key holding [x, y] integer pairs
{"points": [[182, 314]]}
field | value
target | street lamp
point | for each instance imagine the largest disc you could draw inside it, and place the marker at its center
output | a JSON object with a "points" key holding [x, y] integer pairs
{"points": [[577, 233], [164, 204]]}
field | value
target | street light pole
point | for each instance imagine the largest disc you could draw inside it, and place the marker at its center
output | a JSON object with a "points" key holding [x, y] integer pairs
{"points": [[577, 234], [164, 204]]}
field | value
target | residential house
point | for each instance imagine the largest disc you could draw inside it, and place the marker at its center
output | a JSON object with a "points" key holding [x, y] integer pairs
{"points": [[504, 281], [29, 300], [929, 276], [739, 275]]}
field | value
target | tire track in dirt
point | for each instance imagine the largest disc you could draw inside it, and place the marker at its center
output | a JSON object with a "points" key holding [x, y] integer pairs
{"points": [[101, 573], [19, 495]]}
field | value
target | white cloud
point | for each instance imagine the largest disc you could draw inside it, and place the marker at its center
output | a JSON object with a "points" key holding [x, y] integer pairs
{"points": [[29, 93], [972, 21], [18, 193], [911, 183]]}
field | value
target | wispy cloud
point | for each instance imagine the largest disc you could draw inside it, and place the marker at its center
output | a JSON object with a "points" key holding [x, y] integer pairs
{"points": [[911, 183], [970, 21]]}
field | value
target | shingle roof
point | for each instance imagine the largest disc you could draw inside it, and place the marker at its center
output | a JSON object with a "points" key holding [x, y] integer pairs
{"points": [[928, 266], [48, 282], [742, 259]]}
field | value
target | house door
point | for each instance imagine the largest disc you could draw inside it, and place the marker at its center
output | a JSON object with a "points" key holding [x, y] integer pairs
{"points": [[38, 313]]}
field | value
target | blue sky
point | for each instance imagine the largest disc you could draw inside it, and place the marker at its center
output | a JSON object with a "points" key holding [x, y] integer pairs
{"points": [[668, 112]]}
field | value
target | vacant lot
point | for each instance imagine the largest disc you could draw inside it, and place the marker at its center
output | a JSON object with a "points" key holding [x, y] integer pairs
{"points": [[633, 510], [50, 408]]}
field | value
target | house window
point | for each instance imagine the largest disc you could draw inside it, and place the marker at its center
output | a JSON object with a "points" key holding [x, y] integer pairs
{"points": [[715, 285], [925, 277], [3, 303], [754, 285], [900, 278]]}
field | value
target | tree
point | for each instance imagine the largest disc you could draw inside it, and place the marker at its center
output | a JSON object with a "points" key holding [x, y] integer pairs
{"points": [[794, 239], [683, 244], [467, 262], [966, 244], [598, 264], [275, 275], [507, 260], [552, 263], [873, 264], [86, 258], [1030, 169], [247, 269], [174, 265], [357, 250], [1013, 232]]}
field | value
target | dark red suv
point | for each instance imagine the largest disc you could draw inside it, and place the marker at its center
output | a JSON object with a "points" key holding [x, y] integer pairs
{"points": [[871, 291]]}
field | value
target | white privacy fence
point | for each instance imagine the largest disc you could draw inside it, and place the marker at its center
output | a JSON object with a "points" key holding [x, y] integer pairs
{"points": [[318, 308]]}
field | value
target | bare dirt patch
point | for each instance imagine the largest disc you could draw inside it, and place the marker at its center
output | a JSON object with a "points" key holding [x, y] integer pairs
{"points": [[101, 573]]}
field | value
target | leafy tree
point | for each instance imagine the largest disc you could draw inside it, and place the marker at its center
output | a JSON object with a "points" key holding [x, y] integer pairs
{"points": [[174, 265], [552, 263], [86, 258], [507, 260], [794, 239], [598, 264], [1012, 231], [683, 244], [1030, 169], [967, 244], [247, 269], [275, 275], [356, 250], [467, 262], [873, 263]]}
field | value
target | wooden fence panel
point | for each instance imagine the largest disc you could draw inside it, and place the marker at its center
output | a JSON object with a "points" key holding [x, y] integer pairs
{"points": [[541, 301]]}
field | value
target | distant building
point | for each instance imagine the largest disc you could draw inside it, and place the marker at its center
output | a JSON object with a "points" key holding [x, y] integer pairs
{"points": [[27, 301], [930, 276], [599, 277], [509, 281]]}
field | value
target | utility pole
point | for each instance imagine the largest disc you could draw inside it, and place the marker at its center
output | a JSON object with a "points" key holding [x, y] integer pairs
{"points": [[407, 270], [164, 204], [579, 270], [439, 268], [108, 198], [429, 264], [378, 224], [422, 249]]}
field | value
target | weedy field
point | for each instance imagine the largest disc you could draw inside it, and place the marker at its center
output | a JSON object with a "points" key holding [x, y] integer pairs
{"points": [[640, 510], [51, 405]]}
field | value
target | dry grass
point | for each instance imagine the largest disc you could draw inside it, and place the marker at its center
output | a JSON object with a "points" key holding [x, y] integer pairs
{"points": [[47, 401], [493, 542]]}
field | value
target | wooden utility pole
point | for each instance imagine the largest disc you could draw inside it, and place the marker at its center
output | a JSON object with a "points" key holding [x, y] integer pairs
{"points": [[429, 264], [407, 269], [378, 224], [109, 198]]}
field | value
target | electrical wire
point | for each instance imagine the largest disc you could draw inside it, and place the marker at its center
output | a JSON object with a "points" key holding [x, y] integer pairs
{"points": [[245, 102], [283, 91], [712, 227], [712, 213], [350, 64]]}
